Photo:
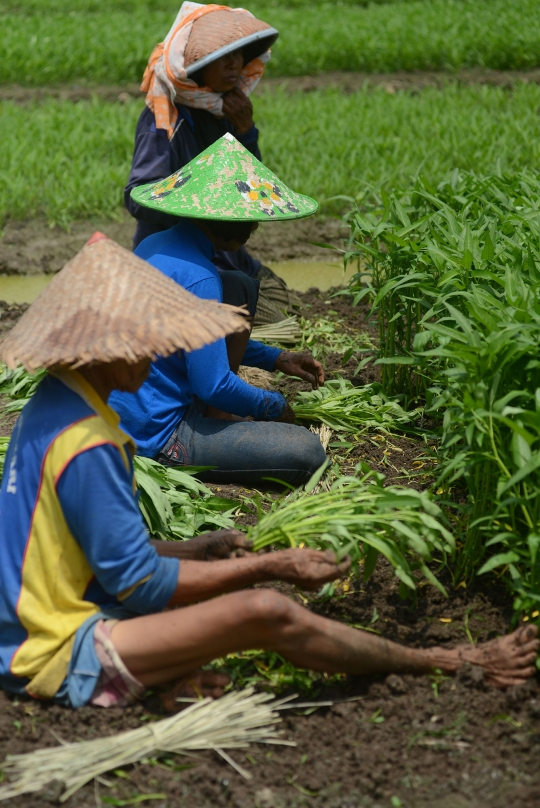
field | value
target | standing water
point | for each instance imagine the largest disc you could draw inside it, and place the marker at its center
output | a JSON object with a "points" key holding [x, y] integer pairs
{"points": [[299, 275], [22, 288]]}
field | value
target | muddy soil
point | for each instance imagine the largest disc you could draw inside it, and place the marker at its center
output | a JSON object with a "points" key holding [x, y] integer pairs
{"points": [[30, 246], [10, 313], [430, 742], [348, 82]]}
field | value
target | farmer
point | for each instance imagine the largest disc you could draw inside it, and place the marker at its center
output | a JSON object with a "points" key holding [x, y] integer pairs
{"points": [[197, 85], [193, 407], [82, 589]]}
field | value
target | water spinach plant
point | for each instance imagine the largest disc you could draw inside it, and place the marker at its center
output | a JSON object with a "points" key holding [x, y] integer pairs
{"points": [[175, 505], [359, 516], [347, 408], [18, 386], [455, 285]]}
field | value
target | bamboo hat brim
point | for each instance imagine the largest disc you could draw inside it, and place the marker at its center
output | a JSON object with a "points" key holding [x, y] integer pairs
{"points": [[225, 182], [225, 30], [108, 304]]}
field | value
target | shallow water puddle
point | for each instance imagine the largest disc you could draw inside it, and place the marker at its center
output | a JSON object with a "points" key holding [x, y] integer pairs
{"points": [[22, 288], [300, 275]]}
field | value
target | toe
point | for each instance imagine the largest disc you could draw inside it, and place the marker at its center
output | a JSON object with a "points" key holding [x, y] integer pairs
{"points": [[510, 678], [526, 634], [528, 652]]}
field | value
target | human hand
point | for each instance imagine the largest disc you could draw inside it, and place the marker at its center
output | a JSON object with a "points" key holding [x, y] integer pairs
{"points": [[308, 569], [301, 364], [287, 416], [238, 109], [199, 684], [206, 547], [217, 544]]}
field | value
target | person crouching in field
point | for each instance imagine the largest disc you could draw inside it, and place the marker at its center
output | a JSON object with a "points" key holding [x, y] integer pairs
{"points": [[82, 588], [194, 409], [197, 84]]}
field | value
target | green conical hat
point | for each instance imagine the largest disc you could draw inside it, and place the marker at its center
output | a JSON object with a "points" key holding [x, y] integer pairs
{"points": [[225, 182]]}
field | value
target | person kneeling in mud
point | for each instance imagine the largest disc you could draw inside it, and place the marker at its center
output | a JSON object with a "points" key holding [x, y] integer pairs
{"points": [[194, 409], [82, 588]]}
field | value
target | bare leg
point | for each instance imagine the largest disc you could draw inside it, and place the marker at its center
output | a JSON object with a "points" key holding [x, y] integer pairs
{"points": [[160, 648], [236, 348]]}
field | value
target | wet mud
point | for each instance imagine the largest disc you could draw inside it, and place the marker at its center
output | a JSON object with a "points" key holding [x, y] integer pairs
{"points": [[31, 246], [429, 742]]}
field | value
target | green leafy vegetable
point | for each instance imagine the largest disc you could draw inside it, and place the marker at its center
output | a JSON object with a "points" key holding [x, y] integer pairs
{"points": [[358, 516], [346, 408]]}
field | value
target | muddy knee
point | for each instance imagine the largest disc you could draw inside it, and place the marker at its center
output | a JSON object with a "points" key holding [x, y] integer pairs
{"points": [[270, 610]]}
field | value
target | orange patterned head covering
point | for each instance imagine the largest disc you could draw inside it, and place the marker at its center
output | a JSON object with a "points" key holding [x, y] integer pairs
{"points": [[166, 78]]}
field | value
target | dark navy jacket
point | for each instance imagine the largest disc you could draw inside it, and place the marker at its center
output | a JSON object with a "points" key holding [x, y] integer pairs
{"points": [[156, 157]]}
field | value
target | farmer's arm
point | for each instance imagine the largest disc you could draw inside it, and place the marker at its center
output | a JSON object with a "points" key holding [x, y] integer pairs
{"points": [[213, 382], [309, 569], [300, 364], [206, 547], [96, 495], [102, 514]]}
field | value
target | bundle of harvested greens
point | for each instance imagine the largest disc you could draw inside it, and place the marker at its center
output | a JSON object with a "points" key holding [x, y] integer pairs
{"points": [[233, 722], [177, 506], [346, 408], [358, 516]]}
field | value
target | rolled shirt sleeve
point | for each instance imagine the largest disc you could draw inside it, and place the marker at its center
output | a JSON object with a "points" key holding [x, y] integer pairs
{"points": [[96, 495]]}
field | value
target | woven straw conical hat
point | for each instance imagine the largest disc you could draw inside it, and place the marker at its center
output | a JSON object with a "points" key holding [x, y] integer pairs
{"points": [[222, 31], [225, 182], [107, 304]]}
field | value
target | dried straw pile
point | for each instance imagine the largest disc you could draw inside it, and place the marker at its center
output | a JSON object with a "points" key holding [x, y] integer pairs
{"points": [[233, 722]]}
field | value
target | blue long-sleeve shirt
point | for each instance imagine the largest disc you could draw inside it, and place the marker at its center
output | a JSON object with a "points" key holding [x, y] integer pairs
{"points": [[151, 415]]}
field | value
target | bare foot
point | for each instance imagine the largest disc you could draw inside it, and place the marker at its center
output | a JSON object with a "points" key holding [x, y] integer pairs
{"points": [[199, 684], [508, 660]]}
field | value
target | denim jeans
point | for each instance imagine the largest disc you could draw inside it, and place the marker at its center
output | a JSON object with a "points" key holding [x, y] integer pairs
{"points": [[244, 452]]}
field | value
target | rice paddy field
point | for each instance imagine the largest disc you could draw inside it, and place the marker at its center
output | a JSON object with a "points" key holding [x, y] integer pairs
{"points": [[416, 125]]}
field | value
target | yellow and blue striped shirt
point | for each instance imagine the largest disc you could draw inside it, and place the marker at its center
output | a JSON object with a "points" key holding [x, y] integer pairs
{"points": [[72, 539]]}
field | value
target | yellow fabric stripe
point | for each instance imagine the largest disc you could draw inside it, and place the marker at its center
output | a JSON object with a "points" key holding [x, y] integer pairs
{"points": [[55, 573], [47, 683], [79, 385], [130, 590]]}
